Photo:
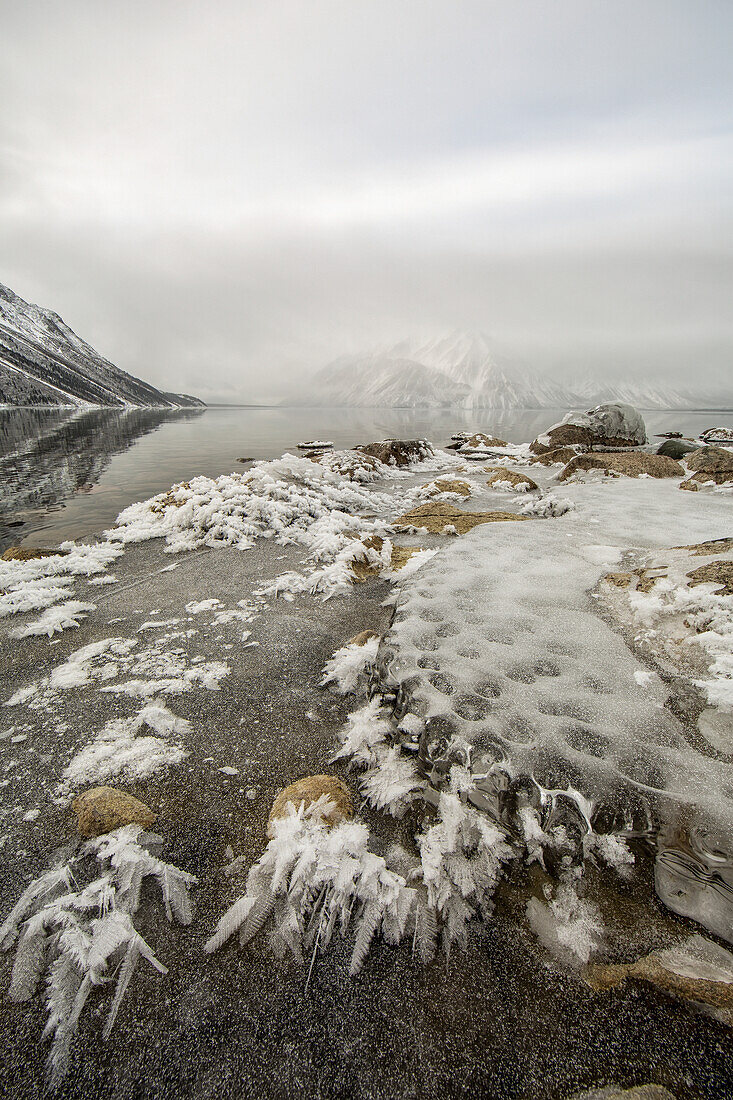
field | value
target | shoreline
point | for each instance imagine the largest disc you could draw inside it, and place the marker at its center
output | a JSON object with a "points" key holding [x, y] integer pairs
{"points": [[207, 817]]}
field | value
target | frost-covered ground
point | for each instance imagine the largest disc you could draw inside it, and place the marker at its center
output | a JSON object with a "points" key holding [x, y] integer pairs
{"points": [[195, 656]]}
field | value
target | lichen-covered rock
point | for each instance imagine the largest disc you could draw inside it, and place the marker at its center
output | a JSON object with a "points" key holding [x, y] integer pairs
{"points": [[631, 465], [102, 809], [398, 452], [562, 435], [519, 481], [309, 789], [28, 553], [439, 515], [711, 464]]}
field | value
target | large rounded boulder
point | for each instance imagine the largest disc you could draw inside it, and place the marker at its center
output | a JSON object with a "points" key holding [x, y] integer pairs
{"points": [[612, 425]]}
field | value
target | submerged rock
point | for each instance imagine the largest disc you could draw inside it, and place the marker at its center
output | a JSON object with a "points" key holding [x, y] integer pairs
{"points": [[696, 970], [439, 515], [102, 809], [632, 465], [309, 789], [362, 637], [558, 455]]}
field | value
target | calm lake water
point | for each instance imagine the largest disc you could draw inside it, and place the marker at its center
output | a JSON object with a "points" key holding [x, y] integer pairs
{"points": [[67, 474]]}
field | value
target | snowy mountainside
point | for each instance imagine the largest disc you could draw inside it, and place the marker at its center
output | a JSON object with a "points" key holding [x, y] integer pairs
{"points": [[43, 362], [457, 371], [460, 370]]}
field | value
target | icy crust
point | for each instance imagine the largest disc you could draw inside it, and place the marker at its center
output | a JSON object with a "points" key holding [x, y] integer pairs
{"points": [[500, 684]]}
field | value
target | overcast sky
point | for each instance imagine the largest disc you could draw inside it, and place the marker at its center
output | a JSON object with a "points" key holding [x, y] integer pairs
{"points": [[220, 196]]}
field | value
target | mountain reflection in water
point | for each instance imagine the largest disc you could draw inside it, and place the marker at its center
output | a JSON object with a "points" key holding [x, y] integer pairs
{"points": [[48, 455]]}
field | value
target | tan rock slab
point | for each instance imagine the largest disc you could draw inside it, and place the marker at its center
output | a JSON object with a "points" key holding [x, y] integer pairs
{"points": [[450, 485], [689, 484], [363, 637], [716, 546], [500, 473], [309, 789], [435, 516], [715, 572], [714, 994], [633, 464], [102, 809], [401, 555], [28, 553]]}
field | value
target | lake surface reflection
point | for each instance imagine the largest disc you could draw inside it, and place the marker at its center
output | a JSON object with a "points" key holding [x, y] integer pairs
{"points": [[67, 473]]}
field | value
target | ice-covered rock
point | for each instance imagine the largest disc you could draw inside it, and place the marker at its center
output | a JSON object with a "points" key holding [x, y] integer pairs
{"points": [[308, 790], [614, 425]]}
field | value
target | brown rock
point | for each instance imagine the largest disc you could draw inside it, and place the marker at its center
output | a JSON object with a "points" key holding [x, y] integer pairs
{"points": [[631, 465], [435, 516], [564, 435], [401, 555], [480, 439], [500, 473], [450, 485], [309, 789], [620, 580], [362, 637], [715, 572], [398, 452], [348, 464], [711, 464], [655, 970], [102, 809], [689, 484], [28, 553], [715, 546]]}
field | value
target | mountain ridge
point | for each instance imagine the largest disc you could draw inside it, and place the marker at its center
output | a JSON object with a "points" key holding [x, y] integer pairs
{"points": [[44, 362], [460, 370]]}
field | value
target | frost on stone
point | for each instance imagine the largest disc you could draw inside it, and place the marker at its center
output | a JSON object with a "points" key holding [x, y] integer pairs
{"points": [[131, 747], [313, 878], [73, 928], [349, 665]]}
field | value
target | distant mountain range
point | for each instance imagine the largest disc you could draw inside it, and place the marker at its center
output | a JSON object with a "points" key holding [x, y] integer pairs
{"points": [[461, 371], [42, 362]]}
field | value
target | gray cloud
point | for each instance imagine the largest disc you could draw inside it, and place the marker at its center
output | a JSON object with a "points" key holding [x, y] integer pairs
{"points": [[220, 197]]}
